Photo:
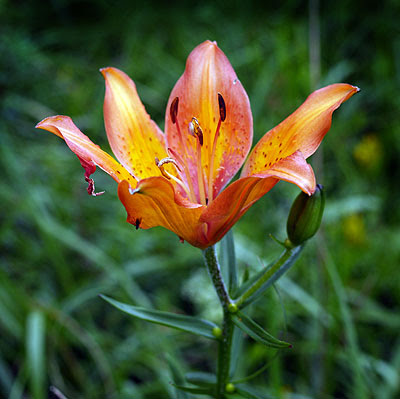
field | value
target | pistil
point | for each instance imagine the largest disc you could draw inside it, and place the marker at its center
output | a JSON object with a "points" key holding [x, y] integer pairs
{"points": [[168, 175]]}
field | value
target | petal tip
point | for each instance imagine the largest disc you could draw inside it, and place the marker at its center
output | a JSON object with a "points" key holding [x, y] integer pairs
{"points": [[104, 71], [51, 121]]}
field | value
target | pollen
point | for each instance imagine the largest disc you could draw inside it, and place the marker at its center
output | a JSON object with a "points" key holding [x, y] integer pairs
{"points": [[222, 107]]}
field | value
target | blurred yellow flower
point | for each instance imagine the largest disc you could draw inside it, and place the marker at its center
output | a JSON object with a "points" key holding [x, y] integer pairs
{"points": [[354, 229], [368, 152]]}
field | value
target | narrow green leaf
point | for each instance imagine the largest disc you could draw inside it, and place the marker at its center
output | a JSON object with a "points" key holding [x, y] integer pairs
{"points": [[258, 284], [177, 375], [246, 393], [256, 332], [201, 379], [199, 391], [6, 376], [228, 261], [189, 324], [237, 350], [309, 303], [35, 348]]}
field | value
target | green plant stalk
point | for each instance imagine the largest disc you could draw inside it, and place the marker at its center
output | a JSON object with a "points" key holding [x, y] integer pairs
{"points": [[269, 273], [225, 340], [224, 354]]}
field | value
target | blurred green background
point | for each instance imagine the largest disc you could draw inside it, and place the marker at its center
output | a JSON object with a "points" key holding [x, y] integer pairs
{"points": [[60, 248]]}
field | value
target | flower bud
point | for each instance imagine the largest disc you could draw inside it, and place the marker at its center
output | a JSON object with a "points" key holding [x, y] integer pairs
{"points": [[305, 216]]}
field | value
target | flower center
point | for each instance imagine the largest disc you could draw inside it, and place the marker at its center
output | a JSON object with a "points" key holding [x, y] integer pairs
{"points": [[188, 181]]}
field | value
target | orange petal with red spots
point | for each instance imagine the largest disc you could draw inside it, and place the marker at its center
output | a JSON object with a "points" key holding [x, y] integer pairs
{"points": [[134, 138], [90, 154], [232, 203], [209, 72], [237, 198], [293, 169], [303, 130], [154, 203]]}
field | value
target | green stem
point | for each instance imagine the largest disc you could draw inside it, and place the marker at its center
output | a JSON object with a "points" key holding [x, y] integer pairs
{"points": [[224, 354], [225, 341], [270, 275], [210, 256]]}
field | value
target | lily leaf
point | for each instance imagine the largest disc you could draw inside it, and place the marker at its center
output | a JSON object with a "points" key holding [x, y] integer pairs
{"points": [[180, 322], [256, 332], [246, 393], [270, 274], [176, 374], [198, 391], [201, 379], [228, 261]]}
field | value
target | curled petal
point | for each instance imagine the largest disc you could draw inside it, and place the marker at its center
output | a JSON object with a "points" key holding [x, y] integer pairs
{"points": [[238, 197], [89, 154], [154, 203], [303, 130], [293, 169], [209, 90], [134, 138]]}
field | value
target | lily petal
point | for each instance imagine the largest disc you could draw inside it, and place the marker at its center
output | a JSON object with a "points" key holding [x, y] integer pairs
{"points": [[154, 203], [90, 154], [293, 169], [232, 203], [238, 197], [303, 130], [208, 72], [134, 138]]}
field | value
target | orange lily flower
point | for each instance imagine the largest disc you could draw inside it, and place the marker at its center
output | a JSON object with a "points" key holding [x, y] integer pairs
{"points": [[177, 180]]}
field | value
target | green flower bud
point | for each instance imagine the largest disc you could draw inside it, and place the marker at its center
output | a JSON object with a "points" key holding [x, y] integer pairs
{"points": [[305, 216]]}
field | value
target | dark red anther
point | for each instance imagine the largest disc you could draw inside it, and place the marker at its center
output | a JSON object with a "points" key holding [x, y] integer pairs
{"points": [[222, 107], [173, 109], [201, 138], [195, 130]]}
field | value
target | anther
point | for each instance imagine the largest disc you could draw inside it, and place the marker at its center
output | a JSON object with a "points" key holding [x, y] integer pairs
{"points": [[173, 109], [137, 223], [195, 130], [222, 107]]}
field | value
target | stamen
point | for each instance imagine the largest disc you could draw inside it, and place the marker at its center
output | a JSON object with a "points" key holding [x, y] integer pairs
{"points": [[174, 119], [173, 110], [169, 176], [222, 107], [195, 130], [222, 117]]}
